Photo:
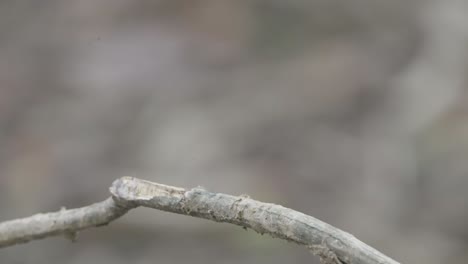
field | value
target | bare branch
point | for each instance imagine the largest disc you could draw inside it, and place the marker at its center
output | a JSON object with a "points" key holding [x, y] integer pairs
{"points": [[332, 245], [63, 222], [326, 241]]}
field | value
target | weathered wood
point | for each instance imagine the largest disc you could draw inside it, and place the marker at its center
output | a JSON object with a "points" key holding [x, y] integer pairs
{"points": [[331, 244]]}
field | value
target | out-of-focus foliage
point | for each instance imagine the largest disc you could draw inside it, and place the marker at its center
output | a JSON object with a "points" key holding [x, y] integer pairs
{"points": [[351, 111]]}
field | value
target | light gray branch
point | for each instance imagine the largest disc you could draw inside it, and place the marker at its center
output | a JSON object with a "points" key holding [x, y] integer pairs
{"points": [[63, 222], [332, 245]]}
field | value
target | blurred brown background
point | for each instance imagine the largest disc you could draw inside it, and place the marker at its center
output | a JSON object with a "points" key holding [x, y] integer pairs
{"points": [[354, 112]]}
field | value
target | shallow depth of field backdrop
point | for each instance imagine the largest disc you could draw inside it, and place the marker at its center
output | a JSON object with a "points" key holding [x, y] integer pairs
{"points": [[355, 112]]}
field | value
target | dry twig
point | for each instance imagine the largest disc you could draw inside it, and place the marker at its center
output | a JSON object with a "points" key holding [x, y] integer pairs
{"points": [[332, 245]]}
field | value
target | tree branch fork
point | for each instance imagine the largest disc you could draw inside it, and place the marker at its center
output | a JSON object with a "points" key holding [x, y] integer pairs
{"points": [[330, 244]]}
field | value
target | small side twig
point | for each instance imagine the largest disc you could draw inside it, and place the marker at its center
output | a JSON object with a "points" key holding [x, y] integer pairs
{"points": [[64, 222], [332, 245]]}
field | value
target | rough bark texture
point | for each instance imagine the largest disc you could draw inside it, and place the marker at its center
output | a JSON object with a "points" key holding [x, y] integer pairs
{"points": [[63, 222], [329, 243]]}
